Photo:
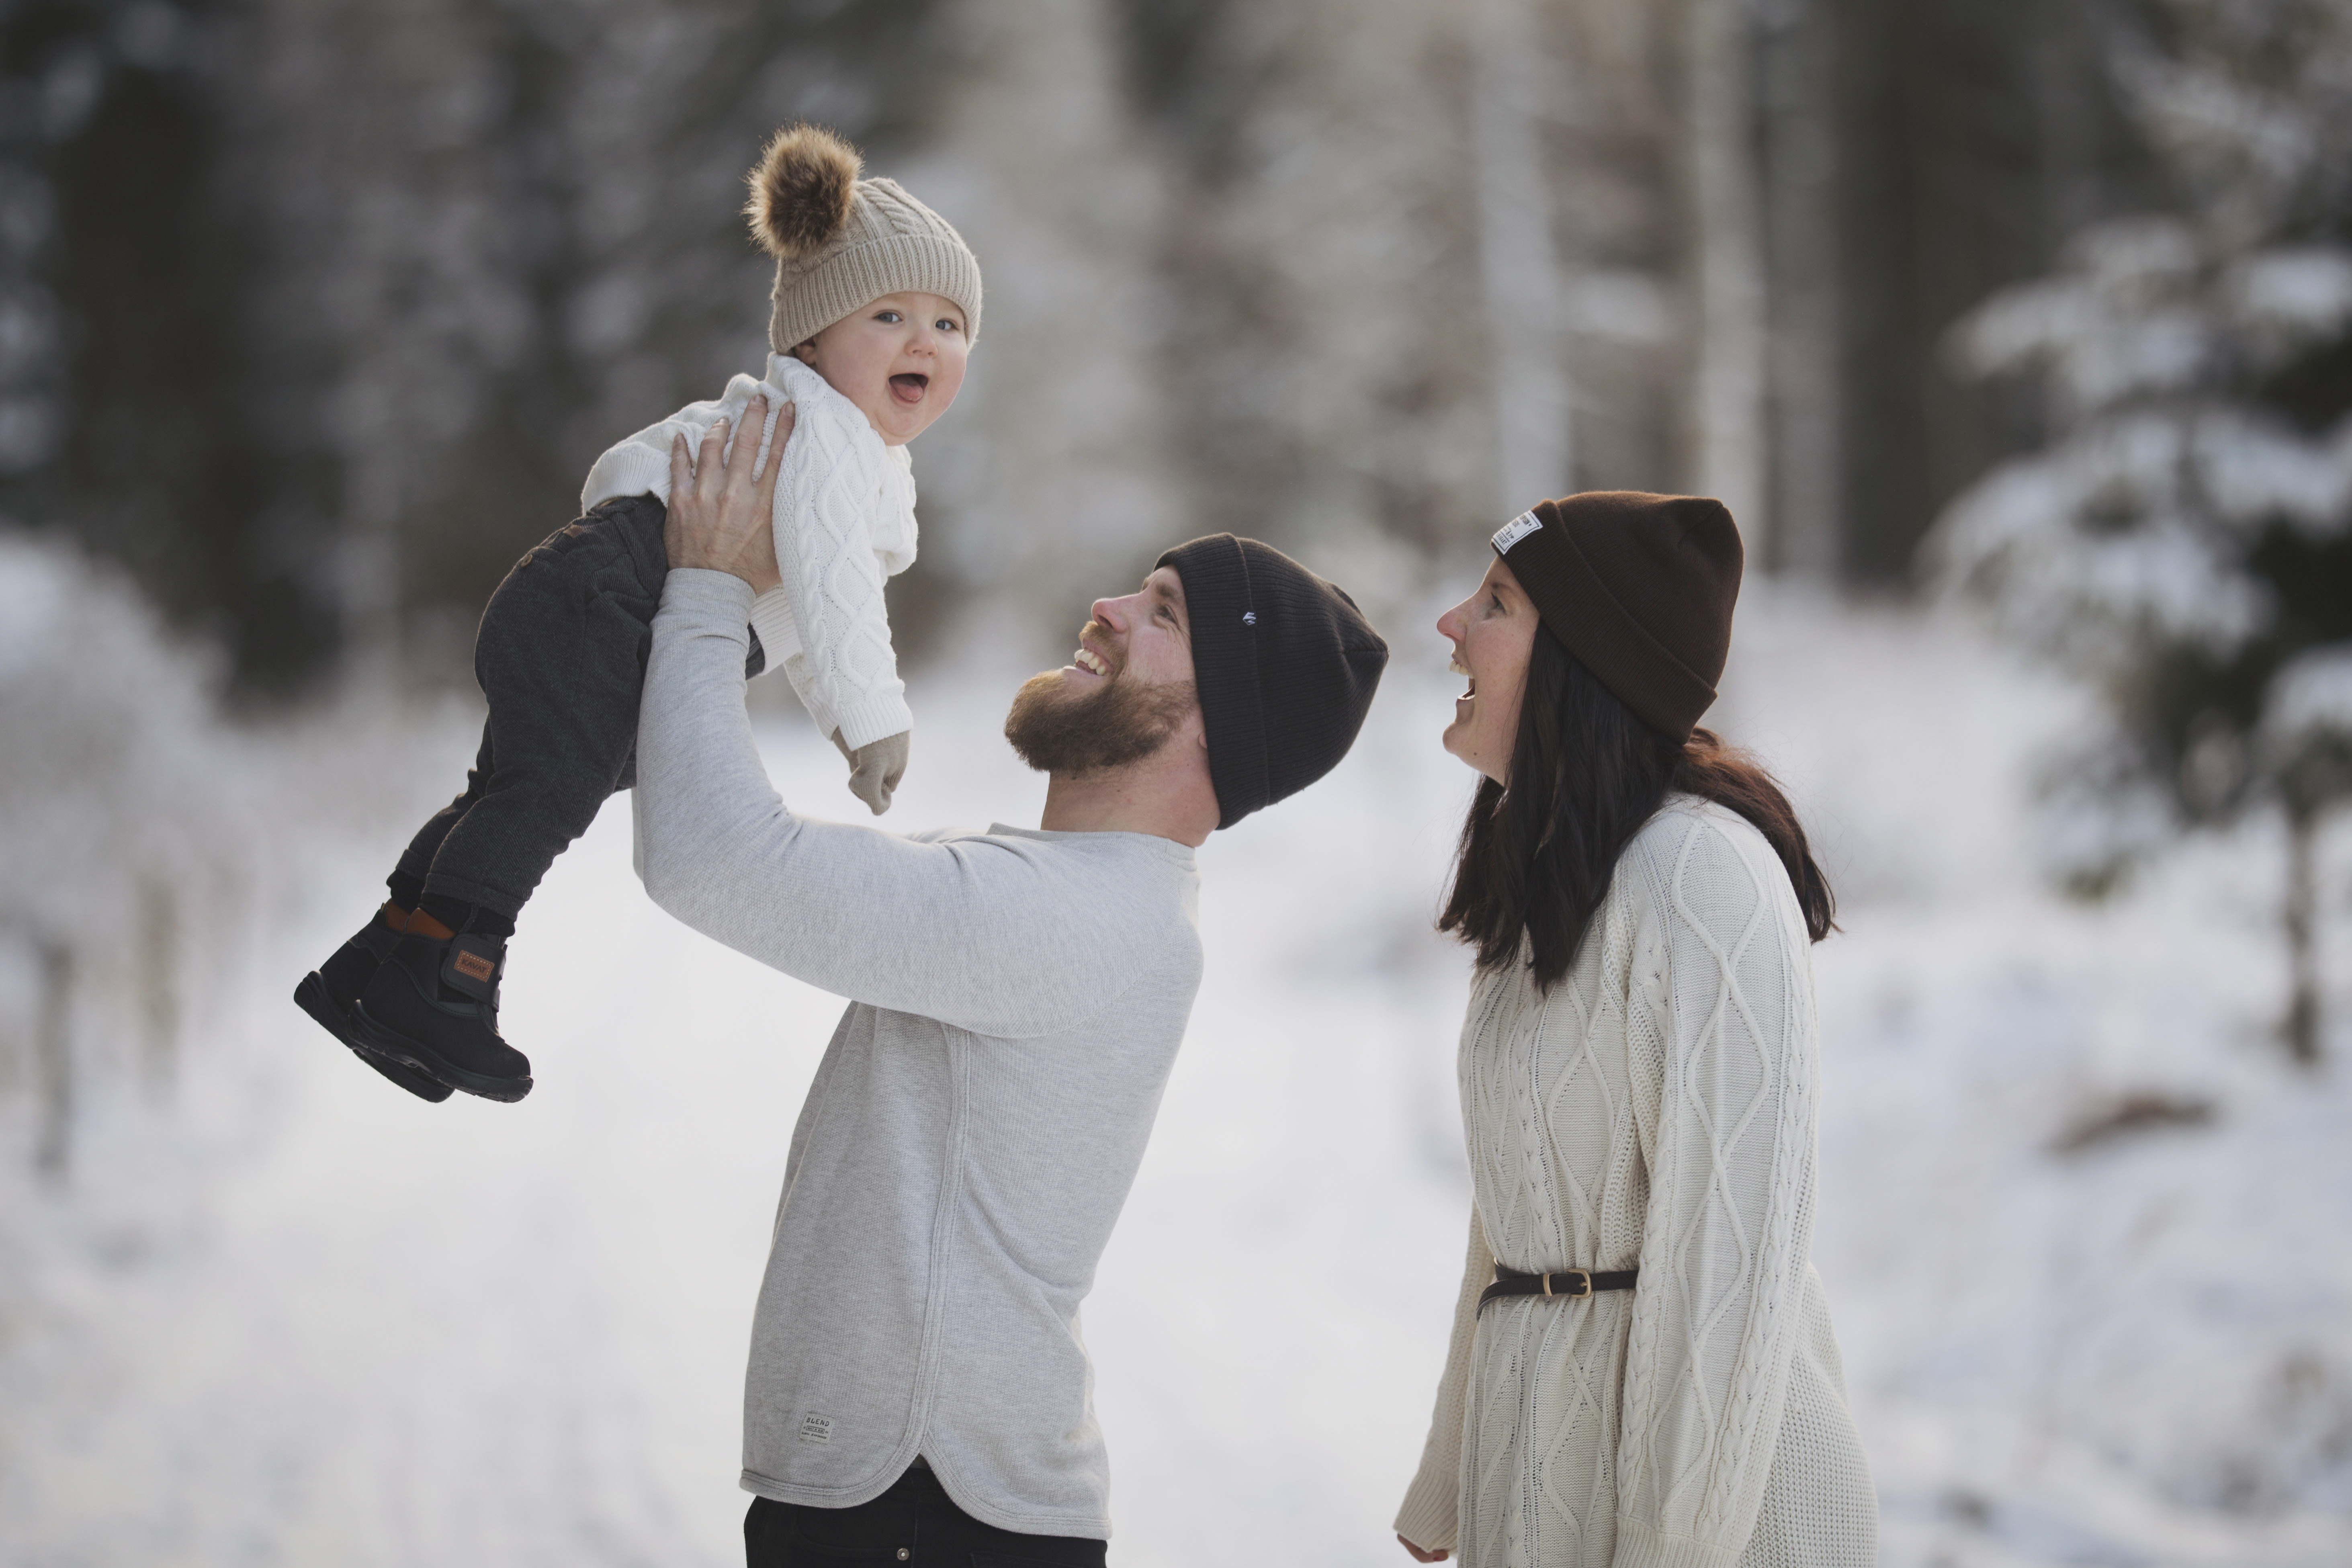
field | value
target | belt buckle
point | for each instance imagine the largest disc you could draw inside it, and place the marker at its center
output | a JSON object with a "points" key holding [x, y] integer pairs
{"points": [[1583, 1278]]}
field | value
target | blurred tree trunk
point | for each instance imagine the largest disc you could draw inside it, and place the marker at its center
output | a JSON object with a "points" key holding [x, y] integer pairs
{"points": [[131, 245], [1799, 155], [1725, 455], [1062, 444], [1612, 111], [158, 980], [1972, 137], [1533, 393], [53, 1062], [2301, 915]]}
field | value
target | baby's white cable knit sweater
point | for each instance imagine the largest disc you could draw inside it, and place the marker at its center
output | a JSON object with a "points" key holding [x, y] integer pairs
{"points": [[845, 520]]}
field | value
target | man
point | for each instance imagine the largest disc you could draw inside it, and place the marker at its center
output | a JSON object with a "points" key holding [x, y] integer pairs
{"points": [[918, 1389]]}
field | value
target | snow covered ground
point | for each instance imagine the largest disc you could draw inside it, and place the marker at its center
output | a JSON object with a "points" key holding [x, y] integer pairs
{"points": [[284, 1314]]}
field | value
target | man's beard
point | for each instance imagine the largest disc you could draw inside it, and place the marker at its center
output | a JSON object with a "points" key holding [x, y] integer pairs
{"points": [[1124, 722]]}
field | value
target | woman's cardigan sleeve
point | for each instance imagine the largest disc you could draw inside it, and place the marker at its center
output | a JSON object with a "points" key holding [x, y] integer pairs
{"points": [[1722, 992], [1428, 1518]]}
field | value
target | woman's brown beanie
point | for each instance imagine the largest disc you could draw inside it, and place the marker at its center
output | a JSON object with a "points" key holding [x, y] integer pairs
{"points": [[1639, 588]]}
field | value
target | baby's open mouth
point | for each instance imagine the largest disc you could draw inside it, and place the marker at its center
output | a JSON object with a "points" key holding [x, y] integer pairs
{"points": [[908, 386]]}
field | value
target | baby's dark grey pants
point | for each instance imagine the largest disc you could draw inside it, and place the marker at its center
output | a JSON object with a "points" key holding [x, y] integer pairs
{"points": [[560, 655]]}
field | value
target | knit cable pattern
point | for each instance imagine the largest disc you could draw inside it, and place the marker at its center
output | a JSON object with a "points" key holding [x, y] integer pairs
{"points": [[1657, 1109], [845, 516], [845, 520]]}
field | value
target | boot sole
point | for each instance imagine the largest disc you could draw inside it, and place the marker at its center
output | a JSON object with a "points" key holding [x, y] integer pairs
{"points": [[424, 1059], [312, 998]]}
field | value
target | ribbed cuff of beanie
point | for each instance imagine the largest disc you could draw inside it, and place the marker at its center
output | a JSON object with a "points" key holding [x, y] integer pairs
{"points": [[1219, 607], [852, 277], [1639, 1546], [1284, 663]]}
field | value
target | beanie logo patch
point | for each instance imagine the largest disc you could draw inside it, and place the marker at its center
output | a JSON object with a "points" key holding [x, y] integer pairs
{"points": [[1249, 618], [1511, 532]]}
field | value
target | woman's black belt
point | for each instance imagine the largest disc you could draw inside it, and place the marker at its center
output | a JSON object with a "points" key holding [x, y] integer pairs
{"points": [[1567, 1284]]}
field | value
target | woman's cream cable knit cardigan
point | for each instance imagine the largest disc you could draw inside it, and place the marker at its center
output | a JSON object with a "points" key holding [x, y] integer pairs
{"points": [[845, 520], [1656, 1110]]}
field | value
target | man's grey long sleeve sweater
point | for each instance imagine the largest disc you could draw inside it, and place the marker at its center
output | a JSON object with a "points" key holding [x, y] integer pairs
{"points": [[1016, 1001]]}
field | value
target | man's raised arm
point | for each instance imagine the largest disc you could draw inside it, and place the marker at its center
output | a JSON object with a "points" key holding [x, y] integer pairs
{"points": [[971, 932]]}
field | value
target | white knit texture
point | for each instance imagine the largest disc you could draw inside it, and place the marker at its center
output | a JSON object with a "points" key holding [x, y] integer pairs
{"points": [[845, 520], [1656, 1110]]}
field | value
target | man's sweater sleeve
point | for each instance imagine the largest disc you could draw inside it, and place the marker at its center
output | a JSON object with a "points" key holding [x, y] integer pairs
{"points": [[1429, 1517], [825, 497], [1722, 975], [977, 933]]}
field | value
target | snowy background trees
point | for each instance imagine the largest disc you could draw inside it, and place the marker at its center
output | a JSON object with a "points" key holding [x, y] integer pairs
{"points": [[312, 313], [2186, 543]]}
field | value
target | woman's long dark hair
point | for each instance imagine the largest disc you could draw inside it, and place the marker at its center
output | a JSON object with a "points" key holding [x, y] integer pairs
{"points": [[1535, 859]]}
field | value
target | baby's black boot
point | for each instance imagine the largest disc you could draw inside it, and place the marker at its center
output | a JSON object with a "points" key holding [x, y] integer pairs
{"points": [[327, 991], [433, 1004]]}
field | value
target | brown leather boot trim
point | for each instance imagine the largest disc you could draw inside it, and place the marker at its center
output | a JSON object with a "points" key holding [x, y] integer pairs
{"points": [[394, 916], [421, 924]]}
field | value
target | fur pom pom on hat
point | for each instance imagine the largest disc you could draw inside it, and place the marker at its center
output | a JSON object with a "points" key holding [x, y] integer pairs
{"points": [[802, 191], [841, 241]]}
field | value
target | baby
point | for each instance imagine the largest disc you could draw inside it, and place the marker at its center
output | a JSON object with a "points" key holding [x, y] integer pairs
{"points": [[877, 302]]}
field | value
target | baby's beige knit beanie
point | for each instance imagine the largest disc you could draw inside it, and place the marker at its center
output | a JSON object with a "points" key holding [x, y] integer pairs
{"points": [[840, 241]]}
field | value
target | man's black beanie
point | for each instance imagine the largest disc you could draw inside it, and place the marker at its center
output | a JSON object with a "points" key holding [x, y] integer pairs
{"points": [[1284, 663]]}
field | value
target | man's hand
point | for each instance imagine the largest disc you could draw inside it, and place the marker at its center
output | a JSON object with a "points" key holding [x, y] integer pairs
{"points": [[1418, 1555], [721, 513]]}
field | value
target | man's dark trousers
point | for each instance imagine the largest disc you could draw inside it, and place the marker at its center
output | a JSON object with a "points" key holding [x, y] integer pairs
{"points": [[560, 656], [913, 1522]]}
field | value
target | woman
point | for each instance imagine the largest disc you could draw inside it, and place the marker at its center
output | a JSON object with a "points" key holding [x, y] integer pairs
{"points": [[1642, 1370]]}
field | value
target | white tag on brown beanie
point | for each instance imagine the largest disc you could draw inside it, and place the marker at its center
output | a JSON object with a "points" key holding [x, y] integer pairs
{"points": [[1511, 532]]}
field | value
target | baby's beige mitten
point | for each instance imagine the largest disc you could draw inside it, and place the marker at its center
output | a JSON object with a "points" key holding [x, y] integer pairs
{"points": [[876, 768]]}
